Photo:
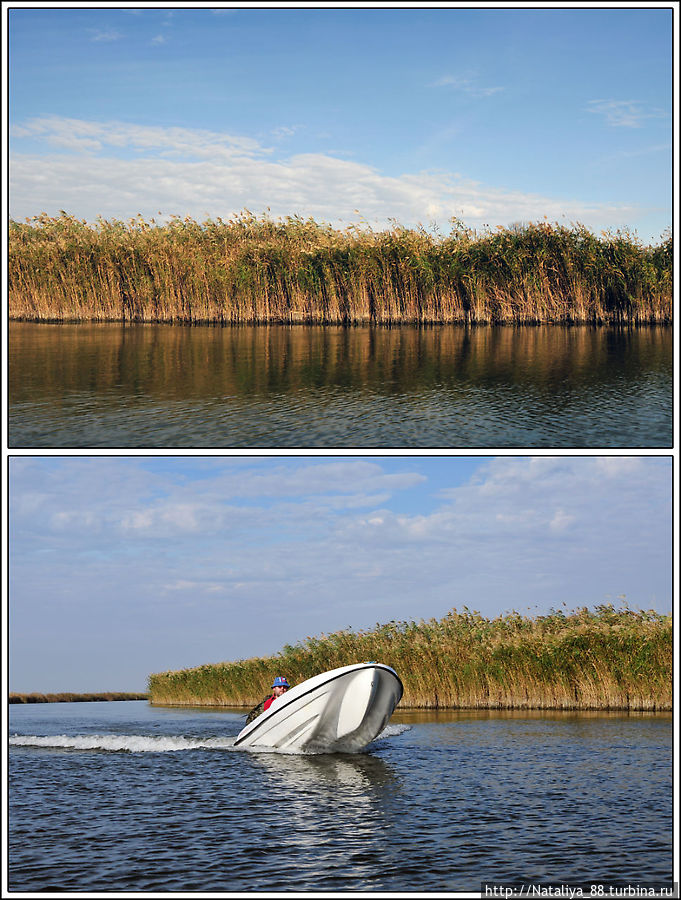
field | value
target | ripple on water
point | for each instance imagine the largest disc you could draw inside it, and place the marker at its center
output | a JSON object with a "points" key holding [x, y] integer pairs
{"points": [[167, 386], [439, 806]]}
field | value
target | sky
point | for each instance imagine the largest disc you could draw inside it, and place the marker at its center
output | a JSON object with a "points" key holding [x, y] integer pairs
{"points": [[124, 566], [351, 116]]}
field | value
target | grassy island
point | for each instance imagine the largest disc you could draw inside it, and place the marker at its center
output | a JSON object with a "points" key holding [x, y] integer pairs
{"points": [[603, 659], [73, 698], [253, 270]]}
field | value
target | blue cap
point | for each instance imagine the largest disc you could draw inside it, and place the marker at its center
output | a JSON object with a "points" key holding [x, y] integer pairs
{"points": [[280, 681]]}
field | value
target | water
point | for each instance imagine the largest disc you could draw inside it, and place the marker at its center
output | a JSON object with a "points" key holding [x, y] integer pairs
{"points": [[122, 796], [156, 386]]}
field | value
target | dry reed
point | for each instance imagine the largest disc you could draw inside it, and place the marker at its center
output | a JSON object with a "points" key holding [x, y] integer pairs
{"points": [[72, 698], [252, 269], [603, 659]]}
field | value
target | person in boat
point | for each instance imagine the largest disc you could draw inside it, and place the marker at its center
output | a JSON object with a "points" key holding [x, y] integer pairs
{"points": [[279, 686]]}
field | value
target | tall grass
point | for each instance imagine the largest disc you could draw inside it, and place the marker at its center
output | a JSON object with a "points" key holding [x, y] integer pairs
{"points": [[603, 659], [253, 269]]}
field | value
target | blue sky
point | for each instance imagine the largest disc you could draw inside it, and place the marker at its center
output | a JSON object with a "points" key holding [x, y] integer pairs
{"points": [[122, 566], [494, 116]]}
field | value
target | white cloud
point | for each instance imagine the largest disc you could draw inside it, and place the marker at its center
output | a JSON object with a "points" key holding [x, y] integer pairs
{"points": [[201, 173], [284, 131], [619, 466], [561, 520], [204, 587], [127, 504], [467, 84], [138, 520], [624, 113], [523, 503], [109, 34], [75, 520], [189, 144], [350, 478]]}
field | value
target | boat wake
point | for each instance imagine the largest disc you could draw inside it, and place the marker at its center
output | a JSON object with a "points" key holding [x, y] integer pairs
{"points": [[132, 743], [140, 743]]}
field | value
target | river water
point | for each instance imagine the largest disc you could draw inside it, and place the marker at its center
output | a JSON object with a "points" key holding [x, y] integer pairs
{"points": [[122, 796], [158, 386]]}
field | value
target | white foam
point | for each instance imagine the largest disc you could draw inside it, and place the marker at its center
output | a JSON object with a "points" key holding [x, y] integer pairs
{"points": [[139, 743], [132, 743], [393, 731]]}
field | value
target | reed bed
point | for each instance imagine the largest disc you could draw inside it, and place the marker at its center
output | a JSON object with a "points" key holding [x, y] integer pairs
{"points": [[71, 698], [602, 659], [252, 269]]}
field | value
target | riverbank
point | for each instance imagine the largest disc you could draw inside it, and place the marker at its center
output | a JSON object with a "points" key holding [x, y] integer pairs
{"points": [[603, 659], [252, 270], [73, 698]]}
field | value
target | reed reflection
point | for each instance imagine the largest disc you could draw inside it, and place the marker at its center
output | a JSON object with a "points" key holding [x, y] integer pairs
{"points": [[176, 361], [332, 386]]}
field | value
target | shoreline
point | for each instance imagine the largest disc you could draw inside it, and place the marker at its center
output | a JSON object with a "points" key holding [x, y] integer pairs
{"points": [[368, 323], [65, 697], [633, 710]]}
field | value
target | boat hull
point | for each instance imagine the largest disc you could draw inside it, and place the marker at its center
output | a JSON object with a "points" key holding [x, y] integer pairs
{"points": [[340, 711]]}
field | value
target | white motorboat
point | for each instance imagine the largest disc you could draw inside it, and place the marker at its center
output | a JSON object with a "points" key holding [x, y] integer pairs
{"points": [[340, 711]]}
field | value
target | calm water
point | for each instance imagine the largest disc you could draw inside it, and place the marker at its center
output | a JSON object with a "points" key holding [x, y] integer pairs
{"points": [[121, 796], [452, 387]]}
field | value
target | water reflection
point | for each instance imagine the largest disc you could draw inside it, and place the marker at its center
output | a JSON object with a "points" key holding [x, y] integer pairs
{"points": [[420, 716], [353, 773], [350, 794], [164, 385]]}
